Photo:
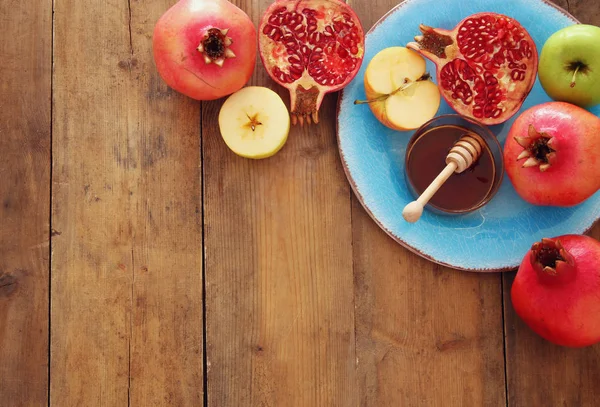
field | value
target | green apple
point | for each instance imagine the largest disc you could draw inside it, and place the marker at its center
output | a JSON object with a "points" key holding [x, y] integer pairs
{"points": [[569, 67]]}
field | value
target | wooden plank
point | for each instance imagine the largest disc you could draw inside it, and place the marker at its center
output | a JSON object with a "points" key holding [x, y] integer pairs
{"points": [[26, 55], [426, 335], [126, 267], [538, 372], [167, 344], [279, 297]]}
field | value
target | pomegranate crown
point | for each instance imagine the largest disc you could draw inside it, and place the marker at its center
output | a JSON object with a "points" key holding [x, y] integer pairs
{"points": [[214, 46], [551, 260], [538, 150], [432, 42]]}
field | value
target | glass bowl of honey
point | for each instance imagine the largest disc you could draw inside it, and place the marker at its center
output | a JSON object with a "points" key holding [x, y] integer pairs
{"points": [[426, 157]]}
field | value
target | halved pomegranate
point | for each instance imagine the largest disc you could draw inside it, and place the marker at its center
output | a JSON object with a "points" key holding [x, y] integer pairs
{"points": [[486, 66], [311, 47]]}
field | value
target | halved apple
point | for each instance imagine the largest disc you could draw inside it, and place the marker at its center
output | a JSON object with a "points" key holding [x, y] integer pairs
{"points": [[399, 91], [254, 122]]}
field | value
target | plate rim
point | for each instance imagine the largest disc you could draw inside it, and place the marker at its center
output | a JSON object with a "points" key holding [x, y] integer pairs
{"points": [[359, 196]]}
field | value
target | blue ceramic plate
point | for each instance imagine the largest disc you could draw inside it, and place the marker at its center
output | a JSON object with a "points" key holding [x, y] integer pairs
{"points": [[494, 238]]}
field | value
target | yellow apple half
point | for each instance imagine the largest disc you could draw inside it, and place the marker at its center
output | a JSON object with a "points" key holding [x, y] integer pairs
{"points": [[254, 122], [408, 109]]}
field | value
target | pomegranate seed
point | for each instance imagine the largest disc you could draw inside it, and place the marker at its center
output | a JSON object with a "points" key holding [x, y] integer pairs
{"points": [[269, 30], [296, 69], [491, 81], [517, 75], [338, 27], [479, 85]]}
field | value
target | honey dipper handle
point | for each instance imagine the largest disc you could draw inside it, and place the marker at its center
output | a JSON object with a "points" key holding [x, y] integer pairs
{"points": [[412, 212]]}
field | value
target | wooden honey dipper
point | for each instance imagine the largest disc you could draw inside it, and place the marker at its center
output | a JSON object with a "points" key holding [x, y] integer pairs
{"points": [[464, 152]]}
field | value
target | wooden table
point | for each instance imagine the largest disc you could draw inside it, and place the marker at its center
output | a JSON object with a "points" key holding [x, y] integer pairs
{"points": [[143, 264]]}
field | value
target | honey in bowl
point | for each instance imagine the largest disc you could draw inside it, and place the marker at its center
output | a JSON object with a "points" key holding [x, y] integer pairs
{"points": [[426, 158]]}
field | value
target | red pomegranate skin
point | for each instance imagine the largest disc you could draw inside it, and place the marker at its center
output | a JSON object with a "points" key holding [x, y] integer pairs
{"points": [[181, 29], [563, 308], [575, 172]]}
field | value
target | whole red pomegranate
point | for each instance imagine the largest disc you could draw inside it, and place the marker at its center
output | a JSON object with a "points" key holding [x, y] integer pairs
{"points": [[486, 65], [552, 154], [557, 290], [205, 49], [311, 47]]}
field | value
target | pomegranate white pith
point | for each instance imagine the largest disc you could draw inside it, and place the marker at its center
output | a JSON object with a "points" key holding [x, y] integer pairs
{"points": [[311, 47]]}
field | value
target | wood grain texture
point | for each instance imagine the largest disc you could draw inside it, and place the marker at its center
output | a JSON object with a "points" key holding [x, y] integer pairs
{"points": [[279, 298], [426, 335], [126, 309], [25, 75]]}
